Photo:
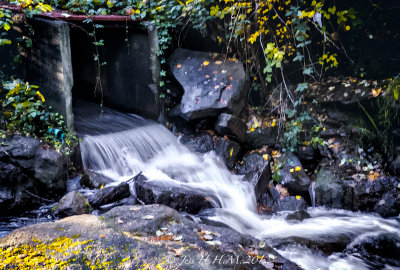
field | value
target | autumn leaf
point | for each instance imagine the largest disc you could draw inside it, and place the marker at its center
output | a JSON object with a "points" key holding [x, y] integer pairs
{"points": [[376, 92]]}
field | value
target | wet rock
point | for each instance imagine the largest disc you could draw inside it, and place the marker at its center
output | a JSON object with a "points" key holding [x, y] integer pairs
{"points": [[306, 153], [298, 215], [176, 197], [211, 83], [93, 180], [251, 162], [151, 235], [202, 143], [51, 169], [126, 201], [71, 204], [266, 136], [232, 126], [388, 205], [395, 165], [289, 203], [109, 194], [329, 189], [380, 250], [21, 147], [228, 150], [144, 219], [381, 196], [30, 174], [296, 181], [258, 173], [270, 197], [274, 202]]}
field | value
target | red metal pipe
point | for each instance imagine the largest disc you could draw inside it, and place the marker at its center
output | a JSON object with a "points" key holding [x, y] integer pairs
{"points": [[58, 15]]}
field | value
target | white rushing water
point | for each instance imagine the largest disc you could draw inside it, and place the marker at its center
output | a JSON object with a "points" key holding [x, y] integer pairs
{"points": [[119, 146]]}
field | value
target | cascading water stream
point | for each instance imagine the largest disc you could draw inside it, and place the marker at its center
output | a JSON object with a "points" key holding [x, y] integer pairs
{"points": [[119, 146]]}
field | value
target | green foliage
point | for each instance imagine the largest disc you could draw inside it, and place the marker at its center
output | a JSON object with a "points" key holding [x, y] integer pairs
{"points": [[24, 110], [302, 131], [5, 26]]}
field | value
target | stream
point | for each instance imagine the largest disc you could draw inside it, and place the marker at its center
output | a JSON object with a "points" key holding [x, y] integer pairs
{"points": [[119, 146]]}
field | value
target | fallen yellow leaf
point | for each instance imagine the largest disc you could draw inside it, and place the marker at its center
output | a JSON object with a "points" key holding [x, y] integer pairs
{"points": [[266, 156], [206, 63], [297, 169], [376, 92], [298, 197]]}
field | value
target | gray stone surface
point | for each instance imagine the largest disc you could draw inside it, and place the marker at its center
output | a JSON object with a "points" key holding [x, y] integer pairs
{"points": [[154, 236], [30, 174], [212, 84], [266, 136], [50, 65], [71, 204], [234, 127], [296, 182], [228, 150], [176, 197], [257, 172]]}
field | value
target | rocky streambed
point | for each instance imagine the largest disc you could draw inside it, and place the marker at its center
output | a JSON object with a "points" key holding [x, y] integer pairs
{"points": [[217, 192]]}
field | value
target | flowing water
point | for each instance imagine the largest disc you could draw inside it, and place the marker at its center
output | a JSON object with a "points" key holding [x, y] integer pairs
{"points": [[119, 146]]}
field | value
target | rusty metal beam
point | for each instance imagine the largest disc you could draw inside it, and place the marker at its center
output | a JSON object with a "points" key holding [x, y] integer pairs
{"points": [[66, 16]]}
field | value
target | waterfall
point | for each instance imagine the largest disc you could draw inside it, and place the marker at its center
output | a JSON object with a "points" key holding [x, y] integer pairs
{"points": [[119, 146], [311, 190]]}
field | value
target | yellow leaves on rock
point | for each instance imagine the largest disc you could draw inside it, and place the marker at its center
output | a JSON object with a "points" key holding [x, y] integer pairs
{"points": [[206, 63], [298, 197], [296, 169], [266, 157]]}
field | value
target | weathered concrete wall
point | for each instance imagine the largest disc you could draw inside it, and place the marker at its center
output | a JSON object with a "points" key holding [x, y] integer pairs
{"points": [[130, 77], [50, 65]]}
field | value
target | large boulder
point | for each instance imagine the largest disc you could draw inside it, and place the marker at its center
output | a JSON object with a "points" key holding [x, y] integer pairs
{"points": [[50, 169], [133, 237], [232, 126], [177, 197], [30, 174], [212, 84], [381, 196]]}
